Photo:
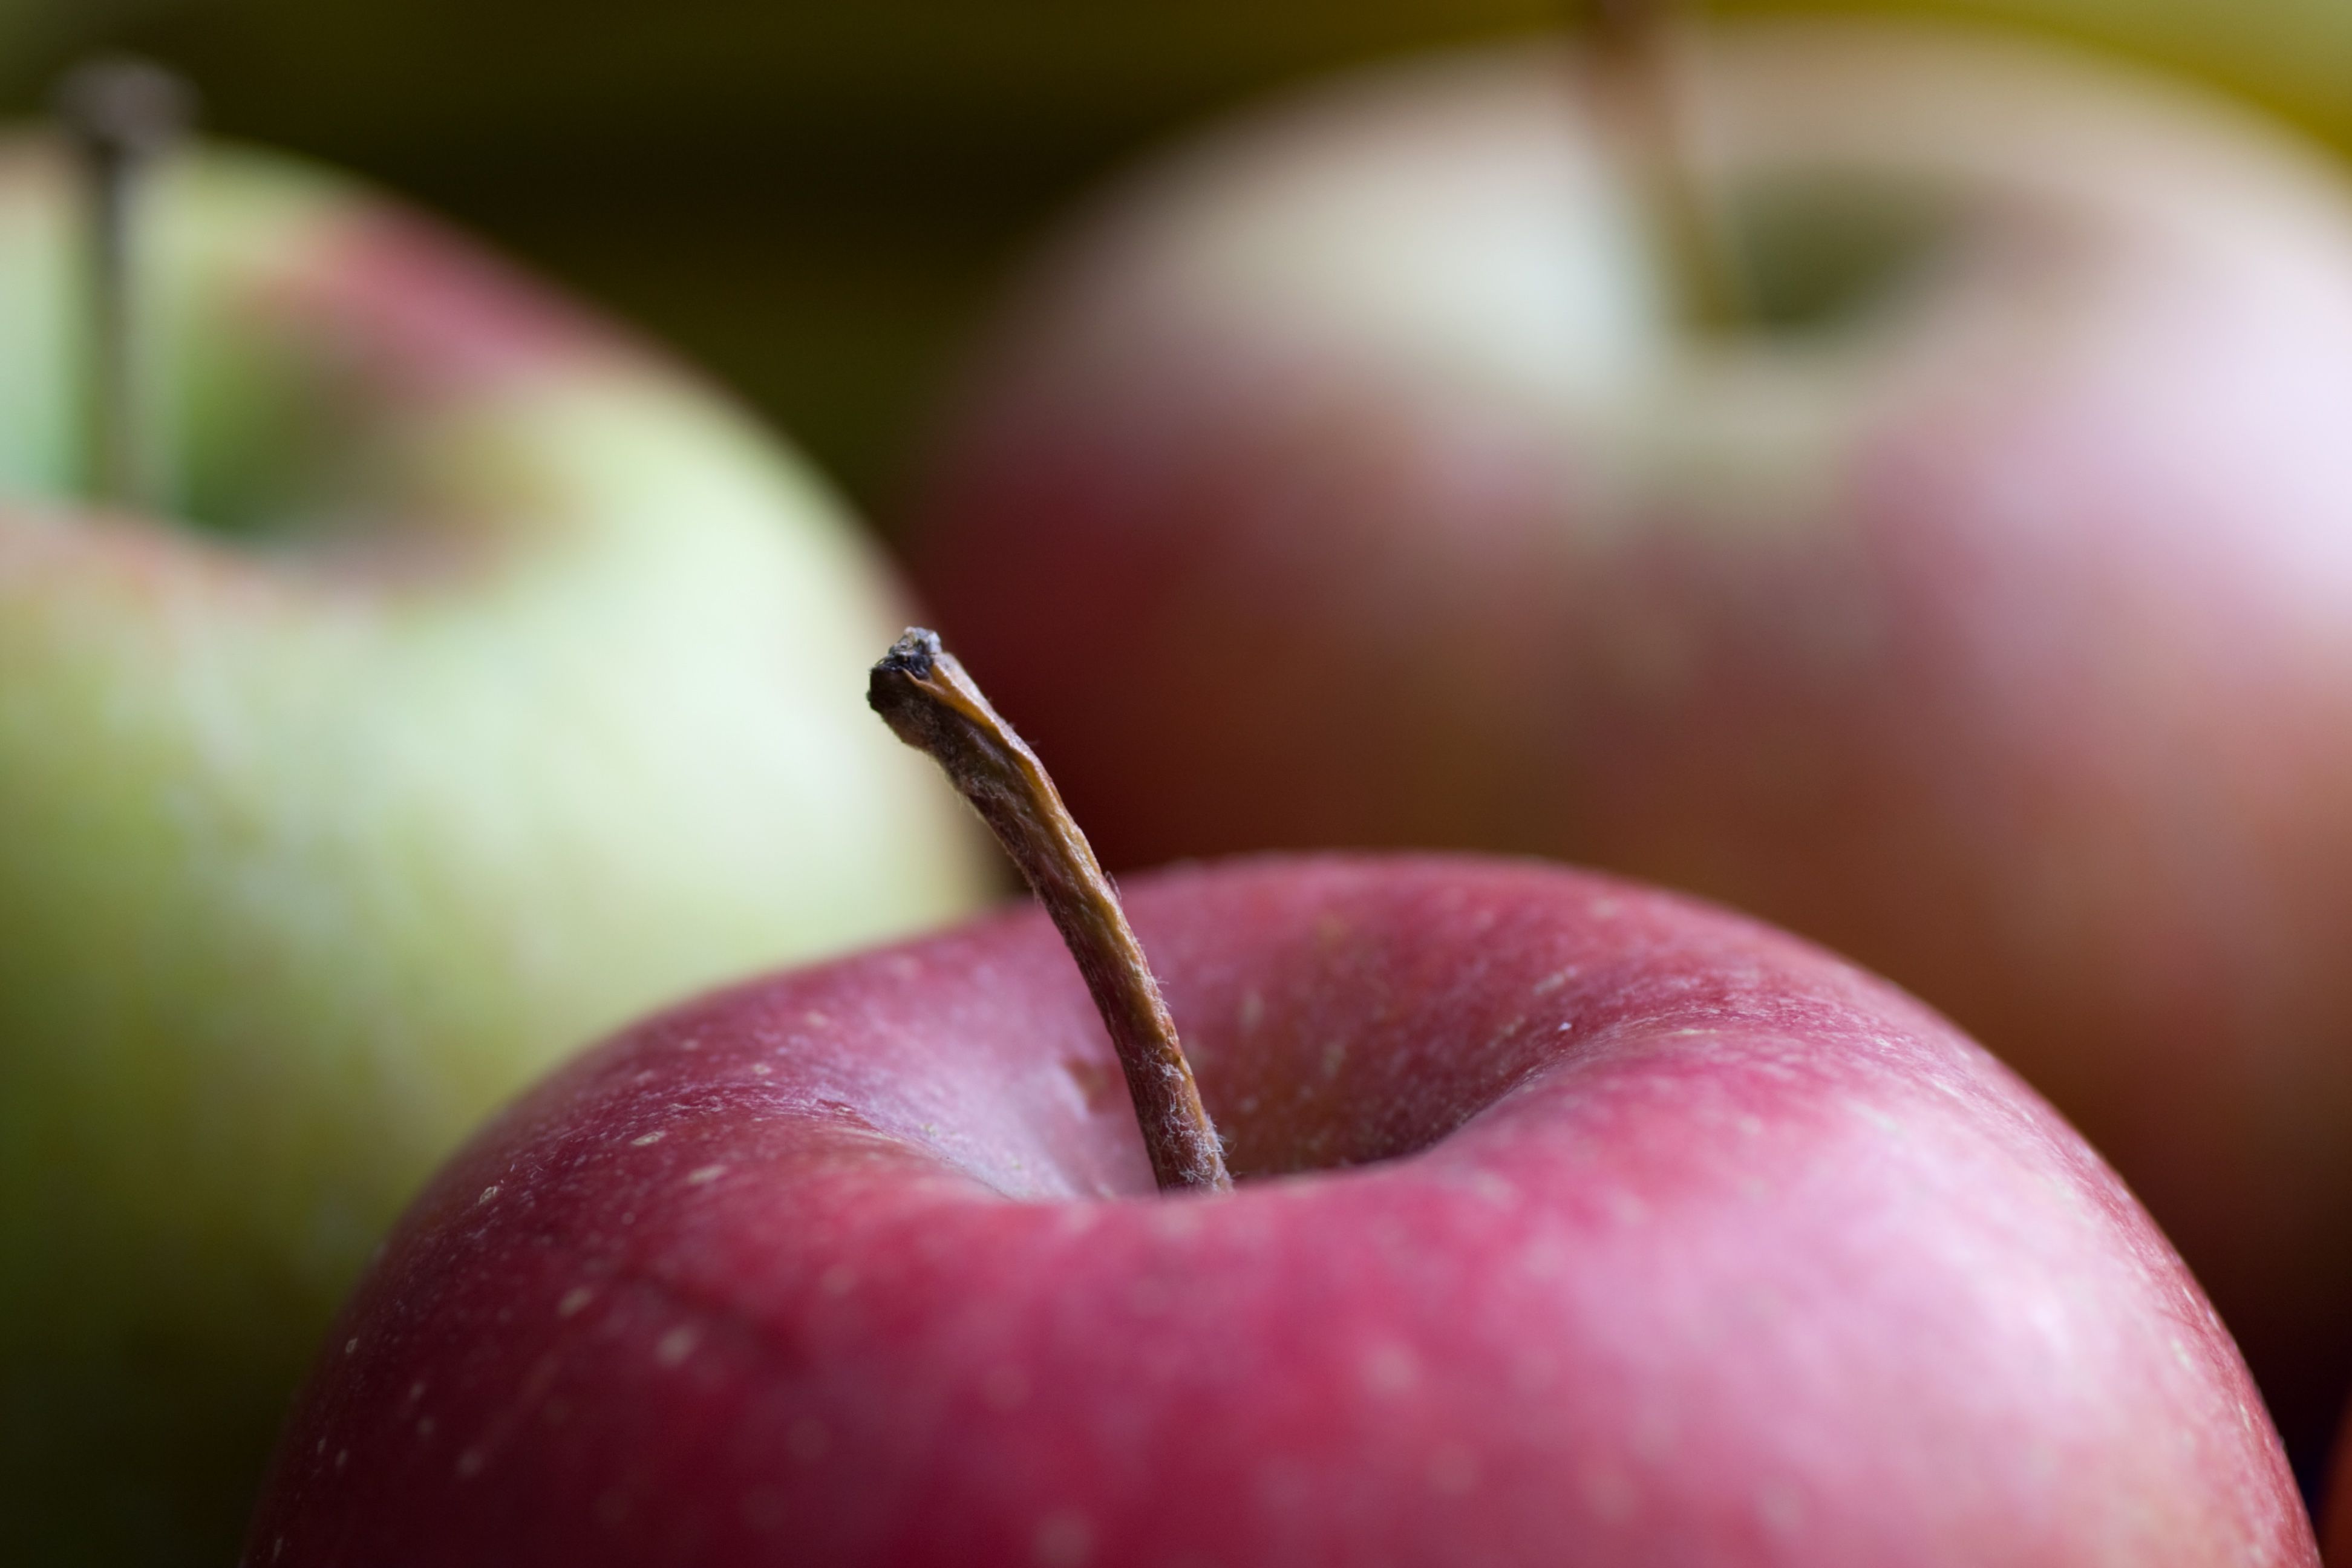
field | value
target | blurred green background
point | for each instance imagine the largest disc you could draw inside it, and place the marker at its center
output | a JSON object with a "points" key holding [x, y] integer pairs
{"points": [[816, 201]]}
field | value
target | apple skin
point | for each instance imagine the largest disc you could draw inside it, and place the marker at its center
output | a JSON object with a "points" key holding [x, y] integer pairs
{"points": [[1579, 1223], [503, 685], [1996, 631]]}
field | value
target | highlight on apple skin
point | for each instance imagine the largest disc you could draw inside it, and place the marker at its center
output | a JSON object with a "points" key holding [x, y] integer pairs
{"points": [[488, 682], [1578, 1223], [1983, 611]]}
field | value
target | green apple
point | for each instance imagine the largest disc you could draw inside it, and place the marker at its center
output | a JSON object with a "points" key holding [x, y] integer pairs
{"points": [[478, 679]]}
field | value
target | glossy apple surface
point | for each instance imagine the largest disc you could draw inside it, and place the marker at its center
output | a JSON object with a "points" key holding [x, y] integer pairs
{"points": [[478, 692], [1576, 1223], [1985, 611]]}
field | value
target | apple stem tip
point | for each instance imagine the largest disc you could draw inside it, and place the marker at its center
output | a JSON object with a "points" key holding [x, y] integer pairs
{"points": [[122, 115], [930, 703], [120, 107], [1650, 80]]}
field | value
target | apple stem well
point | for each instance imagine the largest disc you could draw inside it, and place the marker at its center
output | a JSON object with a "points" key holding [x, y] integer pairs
{"points": [[122, 115], [931, 704], [1649, 80]]}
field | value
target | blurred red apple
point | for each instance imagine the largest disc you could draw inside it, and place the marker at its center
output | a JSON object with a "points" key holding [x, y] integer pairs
{"points": [[1983, 609], [1578, 1223]]}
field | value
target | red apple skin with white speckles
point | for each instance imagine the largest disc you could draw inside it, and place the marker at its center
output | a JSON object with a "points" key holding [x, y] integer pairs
{"points": [[1577, 1223]]}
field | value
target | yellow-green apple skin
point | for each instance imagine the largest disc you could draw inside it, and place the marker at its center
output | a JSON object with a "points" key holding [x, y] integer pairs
{"points": [[476, 680], [1985, 613]]}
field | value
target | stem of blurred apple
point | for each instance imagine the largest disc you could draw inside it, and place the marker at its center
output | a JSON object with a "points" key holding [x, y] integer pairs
{"points": [[1649, 77], [931, 704], [121, 116]]}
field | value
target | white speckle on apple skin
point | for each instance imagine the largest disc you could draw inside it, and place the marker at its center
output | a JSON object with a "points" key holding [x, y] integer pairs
{"points": [[704, 1175], [1533, 1371], [1609, 1492], [1453, 1470], [809, 1440], [1495, 1189], [1064, 1539], [644, 1139], [487, 1194], [676, 1345], [765, 1510], [470, 1464], [1005, 1388], [573, 1299], [1390, 1369]]}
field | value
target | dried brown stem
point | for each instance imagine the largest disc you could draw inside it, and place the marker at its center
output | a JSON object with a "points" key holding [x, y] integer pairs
{"points": [[928, 701], [1646, 49]]}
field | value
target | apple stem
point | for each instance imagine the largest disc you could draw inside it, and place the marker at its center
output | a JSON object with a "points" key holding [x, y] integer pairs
{"points": [[121, 116], [1650, 75], [930, 703]]}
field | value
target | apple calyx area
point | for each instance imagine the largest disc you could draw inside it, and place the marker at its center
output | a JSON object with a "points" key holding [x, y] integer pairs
{"points": [[932, 704]]}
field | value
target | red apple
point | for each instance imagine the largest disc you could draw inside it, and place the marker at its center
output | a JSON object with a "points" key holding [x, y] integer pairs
{"points": [[1576, 1223], [1985, 611]]}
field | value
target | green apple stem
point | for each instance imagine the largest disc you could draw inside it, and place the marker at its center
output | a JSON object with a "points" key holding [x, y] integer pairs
{"points": [[1649, 73], [928, 701], [122, 115]]}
